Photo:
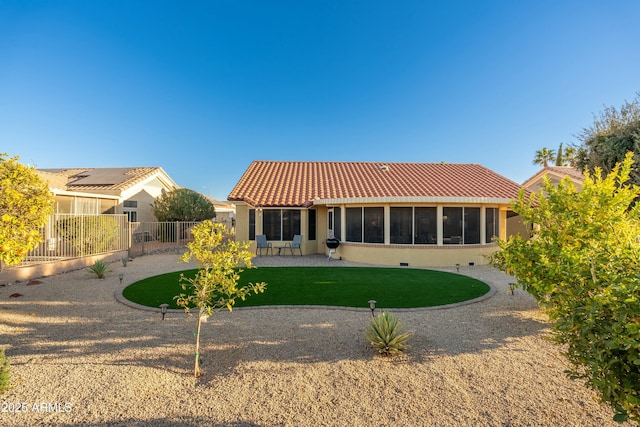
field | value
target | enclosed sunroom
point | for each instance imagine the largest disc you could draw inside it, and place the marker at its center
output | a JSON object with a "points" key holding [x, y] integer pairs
{"points": [[417, 214]]}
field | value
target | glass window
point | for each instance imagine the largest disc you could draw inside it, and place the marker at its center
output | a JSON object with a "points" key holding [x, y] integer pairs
{"points": [[311, 225], [280, 224], [354, 224], [290, 223], [426, 226], [471, 226], [401, 225], [271, 223], [451, 226], [132, 216], [130, 204], [492, 226], [374, 225], [252, 224]]}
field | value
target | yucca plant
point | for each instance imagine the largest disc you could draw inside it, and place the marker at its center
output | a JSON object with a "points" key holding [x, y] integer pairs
{"points": [[386, 334], [4, 372], [99, 268]]}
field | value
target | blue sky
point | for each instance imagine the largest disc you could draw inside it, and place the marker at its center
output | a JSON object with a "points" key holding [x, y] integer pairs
{"points": [[204, 88]]}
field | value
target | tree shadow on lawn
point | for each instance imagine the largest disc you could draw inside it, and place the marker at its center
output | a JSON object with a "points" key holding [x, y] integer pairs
{"points": [[117, 335]]}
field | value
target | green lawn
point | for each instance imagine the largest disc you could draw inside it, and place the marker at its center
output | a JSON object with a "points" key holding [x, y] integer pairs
{"points": [[339, 286]]}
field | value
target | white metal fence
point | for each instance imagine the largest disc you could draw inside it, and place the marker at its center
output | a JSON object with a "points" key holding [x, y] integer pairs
{"points": [[68, 236], [147, 237]]}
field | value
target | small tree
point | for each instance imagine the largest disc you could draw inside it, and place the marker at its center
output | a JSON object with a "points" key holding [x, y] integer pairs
{"points": [[183, 205], [25, 205], [582, 264], [215, 285]]}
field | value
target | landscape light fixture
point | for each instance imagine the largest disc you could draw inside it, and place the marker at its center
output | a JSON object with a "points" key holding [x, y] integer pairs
{"points": [[458, 268], [124, 262], [163, 309], [121, 276], [372, 306]]}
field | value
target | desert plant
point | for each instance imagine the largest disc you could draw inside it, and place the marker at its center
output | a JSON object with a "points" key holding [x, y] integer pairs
{"points": [[215, 285], [385, 333], [4, 372], [99, 268]]}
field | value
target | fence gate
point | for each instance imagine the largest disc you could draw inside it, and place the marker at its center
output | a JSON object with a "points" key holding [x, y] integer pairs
{"points": [[148, 237]]}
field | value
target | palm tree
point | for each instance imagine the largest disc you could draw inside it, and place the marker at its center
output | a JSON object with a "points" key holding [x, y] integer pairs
{"points": [[544, 156], [569, 157]]}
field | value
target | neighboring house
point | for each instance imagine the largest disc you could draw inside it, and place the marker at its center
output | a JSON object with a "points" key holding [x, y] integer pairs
{"points": [[225, 212], [555, 175], [419, 214], [534, 184], [129, 191]]}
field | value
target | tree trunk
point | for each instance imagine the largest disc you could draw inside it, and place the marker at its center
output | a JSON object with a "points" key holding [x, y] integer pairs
{"points": [[197, 371]]}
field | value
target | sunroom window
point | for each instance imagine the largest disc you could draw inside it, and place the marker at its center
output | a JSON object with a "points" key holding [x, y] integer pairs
{"points": [[365, 224], [460, 225]]}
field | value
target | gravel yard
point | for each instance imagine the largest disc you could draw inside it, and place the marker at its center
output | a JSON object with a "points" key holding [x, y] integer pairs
{"points": [[81, 357]]}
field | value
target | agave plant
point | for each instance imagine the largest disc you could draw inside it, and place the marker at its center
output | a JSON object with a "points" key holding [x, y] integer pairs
{"points": [[99, 268], [386, 334]]}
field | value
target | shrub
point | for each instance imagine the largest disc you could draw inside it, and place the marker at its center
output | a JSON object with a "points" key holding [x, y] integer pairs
{"points": [[4, 372], [581, 264], [386, 335], [99, 268]]}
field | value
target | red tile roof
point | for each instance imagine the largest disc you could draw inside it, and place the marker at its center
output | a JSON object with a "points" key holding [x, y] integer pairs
{"points": [[274, 183], [555, 171]]}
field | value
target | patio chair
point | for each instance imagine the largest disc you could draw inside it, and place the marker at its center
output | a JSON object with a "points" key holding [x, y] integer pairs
{"points": [[262, 243], [295, 244]]}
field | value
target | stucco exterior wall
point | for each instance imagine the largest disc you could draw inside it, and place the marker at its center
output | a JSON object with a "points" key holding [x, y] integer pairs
{"points": [[415, 256], [242, 222]]}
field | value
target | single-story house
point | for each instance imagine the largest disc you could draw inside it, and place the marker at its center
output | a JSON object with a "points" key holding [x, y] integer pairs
{"points": [[129, 191], [534, 184], [225, 211], [555, 174], [417, 214]]}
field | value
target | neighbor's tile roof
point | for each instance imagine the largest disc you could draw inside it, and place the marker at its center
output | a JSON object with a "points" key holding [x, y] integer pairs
{"points": [[275, 183], [557, 171], [88, 180]]}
